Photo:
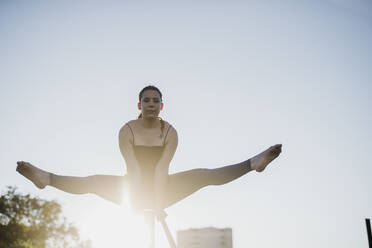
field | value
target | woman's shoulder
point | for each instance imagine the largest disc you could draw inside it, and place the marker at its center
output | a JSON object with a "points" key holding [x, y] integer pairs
{"points": [[128, 125], [135, 122], [167, 124], [131, 123]]}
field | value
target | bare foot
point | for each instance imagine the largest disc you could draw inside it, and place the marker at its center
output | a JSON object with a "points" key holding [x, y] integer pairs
{"points": [[260, 161], [39, 177]]}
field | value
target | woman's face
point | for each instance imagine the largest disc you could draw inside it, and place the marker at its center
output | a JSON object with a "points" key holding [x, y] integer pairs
{"points": [[150, 104]]}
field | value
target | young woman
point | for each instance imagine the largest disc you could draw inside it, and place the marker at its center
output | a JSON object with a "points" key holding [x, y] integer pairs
{"points": [[148, 145]]}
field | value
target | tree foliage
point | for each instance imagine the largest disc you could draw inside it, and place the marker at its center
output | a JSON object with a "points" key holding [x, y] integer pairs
{"points": [[31, 222]]}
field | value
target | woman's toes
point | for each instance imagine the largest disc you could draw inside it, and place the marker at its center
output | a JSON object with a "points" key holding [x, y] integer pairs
{"points": [[20, 166], [276, 150], [37, 176], [262, 160]]}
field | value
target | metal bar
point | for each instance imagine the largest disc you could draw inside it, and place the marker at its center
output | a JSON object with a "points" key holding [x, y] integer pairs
{"points": [[369, 234], [172, 244]]}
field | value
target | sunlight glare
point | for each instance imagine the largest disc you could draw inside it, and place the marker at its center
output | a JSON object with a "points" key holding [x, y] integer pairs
{"points": [[111, 226]]}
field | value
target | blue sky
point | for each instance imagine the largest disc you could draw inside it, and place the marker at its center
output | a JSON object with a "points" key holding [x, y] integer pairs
{"points": [[236, 77]]}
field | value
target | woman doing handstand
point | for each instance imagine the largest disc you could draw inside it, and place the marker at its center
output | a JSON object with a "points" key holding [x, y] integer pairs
{"points": [[148, 145]]}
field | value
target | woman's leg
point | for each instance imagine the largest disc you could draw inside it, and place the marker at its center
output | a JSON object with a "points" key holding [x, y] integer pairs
{"points": [[108, 187], [183, 184]]}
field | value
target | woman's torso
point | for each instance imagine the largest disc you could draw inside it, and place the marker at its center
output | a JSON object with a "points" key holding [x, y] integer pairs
{"points": [[149, 143], [148, 147]]}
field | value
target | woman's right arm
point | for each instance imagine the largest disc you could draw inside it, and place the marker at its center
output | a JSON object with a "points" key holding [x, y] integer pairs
{"points": [[126, 147]]}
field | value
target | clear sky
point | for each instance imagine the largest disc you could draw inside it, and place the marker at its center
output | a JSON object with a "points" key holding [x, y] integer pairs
{"points": [[236, 78]]}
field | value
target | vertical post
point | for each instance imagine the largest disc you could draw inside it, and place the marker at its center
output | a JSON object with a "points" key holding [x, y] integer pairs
{"points": [[369, 234], [150, 221]]}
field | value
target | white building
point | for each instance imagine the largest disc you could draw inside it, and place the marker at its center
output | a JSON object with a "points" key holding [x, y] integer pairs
{"points": [[209, 237]]}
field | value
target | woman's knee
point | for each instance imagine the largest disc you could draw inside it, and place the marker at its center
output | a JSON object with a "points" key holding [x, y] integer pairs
{"points": [[213, 176], [204, 176]]}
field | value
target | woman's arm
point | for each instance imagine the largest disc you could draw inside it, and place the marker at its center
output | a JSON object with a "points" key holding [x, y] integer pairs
{"points": [[162, 168], [126, 147]]}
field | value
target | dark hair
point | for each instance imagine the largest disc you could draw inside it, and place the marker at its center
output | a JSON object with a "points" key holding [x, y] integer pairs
{"points": [[152, 87]]}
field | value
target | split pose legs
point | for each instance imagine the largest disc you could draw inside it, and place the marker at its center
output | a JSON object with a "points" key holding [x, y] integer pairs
{"points": [[178, 187]]}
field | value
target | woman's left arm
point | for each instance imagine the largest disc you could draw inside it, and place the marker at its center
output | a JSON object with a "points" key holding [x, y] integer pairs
{"points": [[162, 168]]}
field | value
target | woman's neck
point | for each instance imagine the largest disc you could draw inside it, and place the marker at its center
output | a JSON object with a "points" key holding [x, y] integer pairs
{"points": [[149, 123]]}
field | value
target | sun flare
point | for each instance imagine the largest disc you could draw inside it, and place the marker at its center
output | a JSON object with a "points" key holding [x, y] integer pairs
{"points": [[110, 226]]}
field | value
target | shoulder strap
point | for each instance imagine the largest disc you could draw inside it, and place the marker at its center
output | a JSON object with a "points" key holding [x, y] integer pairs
{"points": [[165, 138], [131, 131]]}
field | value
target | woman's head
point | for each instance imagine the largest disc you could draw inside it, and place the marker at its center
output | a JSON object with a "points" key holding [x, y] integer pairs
{"points": [[150, 102]]}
